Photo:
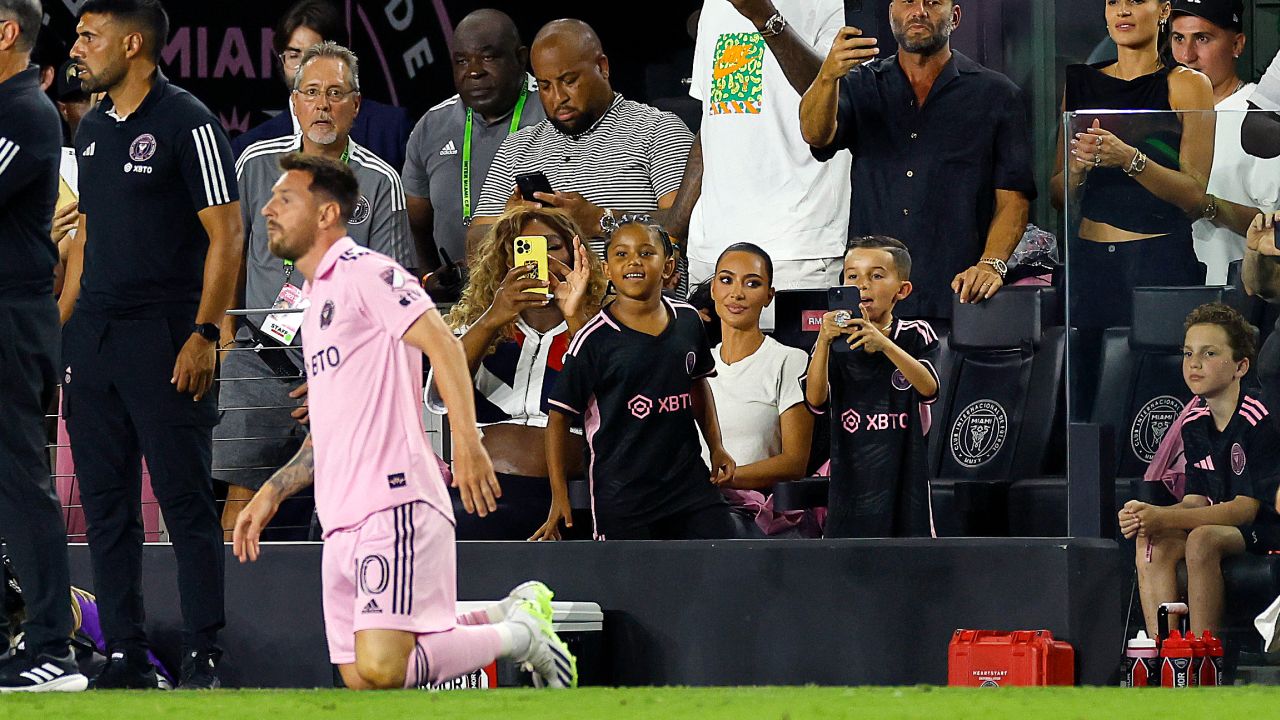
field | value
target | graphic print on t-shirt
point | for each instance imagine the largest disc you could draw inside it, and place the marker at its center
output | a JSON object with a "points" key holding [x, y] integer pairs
{"points": [[737, 74]]}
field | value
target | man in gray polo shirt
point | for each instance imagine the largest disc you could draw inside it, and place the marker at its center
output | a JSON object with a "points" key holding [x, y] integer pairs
{"points": [[261, 377], [496, 97]]}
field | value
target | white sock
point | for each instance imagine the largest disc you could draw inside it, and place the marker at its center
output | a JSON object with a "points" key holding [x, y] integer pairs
{"points": [[516, 639]]}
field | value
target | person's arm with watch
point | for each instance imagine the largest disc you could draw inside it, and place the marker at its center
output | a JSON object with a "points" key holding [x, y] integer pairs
{"points": [[193, 370], [985, 278], [799, 62]]}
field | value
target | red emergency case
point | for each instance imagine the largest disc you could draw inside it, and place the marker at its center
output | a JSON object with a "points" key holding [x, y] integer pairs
{"points": [[990, 658]]}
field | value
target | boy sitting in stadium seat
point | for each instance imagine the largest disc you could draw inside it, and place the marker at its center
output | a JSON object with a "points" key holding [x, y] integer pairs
{"points": [[879, 418], [1232, 451]]}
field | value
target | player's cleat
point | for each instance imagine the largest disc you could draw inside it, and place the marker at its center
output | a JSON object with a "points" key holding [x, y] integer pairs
{"points": [[127, 671], [45, 673], [548, 657], [533, 591], [199, 671]]}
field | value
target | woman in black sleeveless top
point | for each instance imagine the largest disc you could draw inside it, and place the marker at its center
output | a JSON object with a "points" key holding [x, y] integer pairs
{"points": [[1137, 179]]}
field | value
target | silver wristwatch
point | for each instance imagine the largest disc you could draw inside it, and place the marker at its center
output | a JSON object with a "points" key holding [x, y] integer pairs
{"points": [[1000, 266], [774, 25], [608, 222]]}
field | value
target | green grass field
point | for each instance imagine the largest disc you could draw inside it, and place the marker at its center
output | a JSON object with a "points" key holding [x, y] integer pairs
{"points": [[760, 703]]}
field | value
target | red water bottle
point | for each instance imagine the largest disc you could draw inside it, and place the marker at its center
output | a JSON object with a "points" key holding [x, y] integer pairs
{"points": [[1176, 657], [1212, 667], [1199, 654]]}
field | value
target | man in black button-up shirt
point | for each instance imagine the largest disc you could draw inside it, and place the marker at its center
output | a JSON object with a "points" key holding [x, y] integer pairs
{"points": [[30, 517], [941, 148]]}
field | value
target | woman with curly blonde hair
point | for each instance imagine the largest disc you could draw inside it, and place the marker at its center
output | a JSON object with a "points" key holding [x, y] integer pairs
{"points": [[515, 341]]}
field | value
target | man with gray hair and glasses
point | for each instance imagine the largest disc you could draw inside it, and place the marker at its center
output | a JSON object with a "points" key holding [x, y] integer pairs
{"points": [[262, 382], [30, 518]]}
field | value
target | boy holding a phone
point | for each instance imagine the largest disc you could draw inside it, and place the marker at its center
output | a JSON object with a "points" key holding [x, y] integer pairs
{"points": [[874, 377]]}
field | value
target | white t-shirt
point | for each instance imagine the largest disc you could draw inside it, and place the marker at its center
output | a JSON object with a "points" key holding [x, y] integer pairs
{"points": [[751, 396], [759, 182], [1236, 176]]}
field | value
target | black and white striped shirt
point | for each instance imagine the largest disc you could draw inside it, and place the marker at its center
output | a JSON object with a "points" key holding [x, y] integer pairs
{"points": [[629, 158]]}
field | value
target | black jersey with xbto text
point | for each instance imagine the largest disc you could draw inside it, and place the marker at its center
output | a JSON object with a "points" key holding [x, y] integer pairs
{"points": [[879, 439], [1242, 459], [143, 180], [634, 393]]}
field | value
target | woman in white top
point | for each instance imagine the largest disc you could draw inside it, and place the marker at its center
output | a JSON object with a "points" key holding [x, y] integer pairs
{"points": [[763, 419]]}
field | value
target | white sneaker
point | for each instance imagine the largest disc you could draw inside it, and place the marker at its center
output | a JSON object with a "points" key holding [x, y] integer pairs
{"points": [[533, 591], [42, 674], [548, 657]]}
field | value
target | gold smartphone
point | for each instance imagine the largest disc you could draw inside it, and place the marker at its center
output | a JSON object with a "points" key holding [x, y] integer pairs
{"points": [[66, 195], [532, 249]]}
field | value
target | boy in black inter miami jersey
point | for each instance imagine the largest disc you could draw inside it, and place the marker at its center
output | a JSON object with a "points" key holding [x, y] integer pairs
{"points": [[877, 392], [636, 374], [1232, 448]]}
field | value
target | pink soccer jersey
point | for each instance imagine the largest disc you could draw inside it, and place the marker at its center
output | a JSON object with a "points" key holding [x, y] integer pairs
{"points": [[364, 388]]}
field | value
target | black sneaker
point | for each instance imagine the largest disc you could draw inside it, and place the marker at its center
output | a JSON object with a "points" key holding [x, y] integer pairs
{"points": [[127, 670], [43, 673], [199, 670]]}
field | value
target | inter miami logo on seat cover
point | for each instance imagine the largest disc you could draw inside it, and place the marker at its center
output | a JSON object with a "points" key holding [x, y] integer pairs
{"points": [[1150, 425], [979, 433]]}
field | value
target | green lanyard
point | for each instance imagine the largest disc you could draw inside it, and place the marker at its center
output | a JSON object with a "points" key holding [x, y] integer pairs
{"points": [[346, 160], [466, 151]]}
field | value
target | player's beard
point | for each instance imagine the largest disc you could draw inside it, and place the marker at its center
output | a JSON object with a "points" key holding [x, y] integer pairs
{"points": [[102, 81], [289, 246], [938, 38]]}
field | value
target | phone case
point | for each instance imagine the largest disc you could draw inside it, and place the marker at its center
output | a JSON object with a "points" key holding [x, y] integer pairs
{"points": [[844, 297], [66, 195], [530, 183], [533, 248]]}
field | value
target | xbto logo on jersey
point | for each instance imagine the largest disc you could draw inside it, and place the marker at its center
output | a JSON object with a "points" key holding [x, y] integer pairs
{"points": [[640, 406], [851, 421], [1150, 425], [979, 433]]}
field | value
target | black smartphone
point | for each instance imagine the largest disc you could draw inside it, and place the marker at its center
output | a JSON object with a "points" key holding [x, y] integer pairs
{"points": [[844, 298], [530, 183]]}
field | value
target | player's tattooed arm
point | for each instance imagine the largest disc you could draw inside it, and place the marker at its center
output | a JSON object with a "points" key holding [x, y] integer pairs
{"points": [[296, 474]]}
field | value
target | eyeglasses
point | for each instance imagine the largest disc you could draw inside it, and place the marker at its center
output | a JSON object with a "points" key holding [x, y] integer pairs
{"points": [[334, 95]]}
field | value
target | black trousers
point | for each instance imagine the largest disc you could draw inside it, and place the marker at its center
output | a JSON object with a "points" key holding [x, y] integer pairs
{"points": [[30, 515], [120, 406], [714, 522]]}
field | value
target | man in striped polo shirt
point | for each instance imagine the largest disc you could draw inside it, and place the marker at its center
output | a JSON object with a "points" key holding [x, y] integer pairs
{"points": [[257, 388], [150, 276], [604, 155]]}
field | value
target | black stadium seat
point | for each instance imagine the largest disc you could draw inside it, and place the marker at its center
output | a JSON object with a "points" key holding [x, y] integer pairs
{"points": [[1139, 394], [999, 407], [1140, 385]]}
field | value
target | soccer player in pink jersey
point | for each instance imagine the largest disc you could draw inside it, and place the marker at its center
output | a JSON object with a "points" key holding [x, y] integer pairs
{"points": [[390, 581]]}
